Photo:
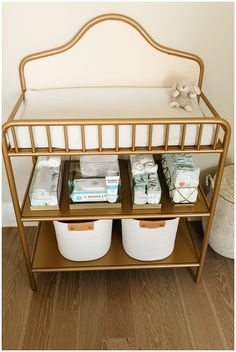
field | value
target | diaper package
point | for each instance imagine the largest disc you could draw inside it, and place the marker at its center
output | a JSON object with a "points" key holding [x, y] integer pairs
{"points": [[182, 177]]}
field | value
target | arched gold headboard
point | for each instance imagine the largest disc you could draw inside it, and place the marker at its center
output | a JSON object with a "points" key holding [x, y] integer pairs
{"points": [[48, 63]]}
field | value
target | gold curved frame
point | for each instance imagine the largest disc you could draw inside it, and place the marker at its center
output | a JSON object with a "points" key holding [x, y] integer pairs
{"points": [[106, 17]]}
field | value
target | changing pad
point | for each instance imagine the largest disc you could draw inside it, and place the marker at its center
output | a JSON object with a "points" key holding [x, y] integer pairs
{"points": [[105, 102]]}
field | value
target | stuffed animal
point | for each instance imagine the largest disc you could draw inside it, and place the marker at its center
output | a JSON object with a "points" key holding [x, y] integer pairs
{"points": [[182, 93]]}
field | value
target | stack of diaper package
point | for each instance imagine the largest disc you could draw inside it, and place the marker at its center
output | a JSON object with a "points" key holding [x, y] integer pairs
{"points": [[146, 185], [46, 182], [182, 177], [95, 179]]}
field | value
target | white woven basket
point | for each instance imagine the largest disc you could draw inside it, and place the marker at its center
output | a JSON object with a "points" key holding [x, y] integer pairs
{"points": [[222, 231]]}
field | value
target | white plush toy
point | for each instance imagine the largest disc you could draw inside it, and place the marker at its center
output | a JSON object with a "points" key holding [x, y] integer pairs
{"points": [[182, 93]]}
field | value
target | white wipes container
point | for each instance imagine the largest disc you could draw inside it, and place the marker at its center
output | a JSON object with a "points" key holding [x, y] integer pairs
{"points": [[83, 240], [151, 239]]}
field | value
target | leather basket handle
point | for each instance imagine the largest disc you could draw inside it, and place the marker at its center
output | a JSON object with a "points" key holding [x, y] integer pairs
{"points": [[151, 224], [81, 226]]}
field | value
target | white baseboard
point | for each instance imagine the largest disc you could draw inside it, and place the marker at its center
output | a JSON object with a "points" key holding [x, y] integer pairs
{"points": [[8, 216]]}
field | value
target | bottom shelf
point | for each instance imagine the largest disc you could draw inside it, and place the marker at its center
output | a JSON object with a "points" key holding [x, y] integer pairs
{"points": [[47, 257]]}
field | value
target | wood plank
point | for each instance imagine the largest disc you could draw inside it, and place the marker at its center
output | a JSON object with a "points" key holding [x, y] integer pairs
{"points": [[40, 315], [171, 312], [16, 293], [120, 343], [146, 305], [204, 328], [68, 293], [92, 327], [63, 331], [65, 317], [230, 271], [218, 284], [119, 306], [219, 287]]}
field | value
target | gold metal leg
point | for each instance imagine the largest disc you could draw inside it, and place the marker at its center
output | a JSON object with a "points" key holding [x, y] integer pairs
{"points": [[24, 244], [204, 248], [16, 205], [213, 205]]}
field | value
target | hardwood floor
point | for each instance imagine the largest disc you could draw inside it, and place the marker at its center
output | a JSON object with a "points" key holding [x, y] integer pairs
{"points": [[122, 310]]}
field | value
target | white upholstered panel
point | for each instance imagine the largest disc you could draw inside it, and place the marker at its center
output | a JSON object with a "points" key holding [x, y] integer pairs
{"points": [[111, 53], [106, 102], [87, 103]]}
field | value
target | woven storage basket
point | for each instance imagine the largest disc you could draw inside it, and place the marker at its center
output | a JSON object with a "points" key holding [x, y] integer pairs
{"points": [[222, 231]]}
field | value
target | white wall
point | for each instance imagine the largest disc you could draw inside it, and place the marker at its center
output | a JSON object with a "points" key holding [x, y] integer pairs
{"points": [[205, 29]]}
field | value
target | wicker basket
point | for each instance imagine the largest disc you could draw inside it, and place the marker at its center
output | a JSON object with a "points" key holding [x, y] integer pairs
{"points": [[222, 231]]}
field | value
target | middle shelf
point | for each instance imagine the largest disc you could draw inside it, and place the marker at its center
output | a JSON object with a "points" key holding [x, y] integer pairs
{"points": [[167, 210]]}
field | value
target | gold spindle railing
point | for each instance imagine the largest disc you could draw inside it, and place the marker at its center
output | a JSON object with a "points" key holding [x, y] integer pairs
{"points": [[117, 138], [167, 136], [183, 136], [14, 140], [49, 139], [100, 138], [150, 137], [32, 138], [216, 136], [199, 138], [83, 138], [66, 138], [133, 137]]}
